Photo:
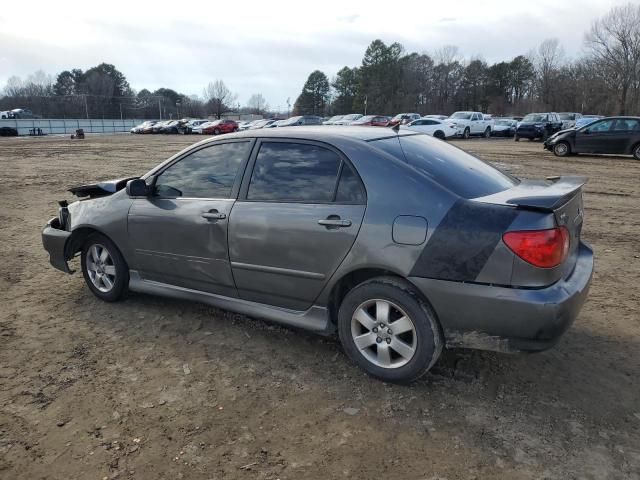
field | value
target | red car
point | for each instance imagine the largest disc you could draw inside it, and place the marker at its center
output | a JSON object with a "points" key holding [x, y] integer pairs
{"points": [[372, 121], [220, 126]]}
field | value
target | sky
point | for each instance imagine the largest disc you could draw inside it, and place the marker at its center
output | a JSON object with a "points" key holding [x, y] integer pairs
{"points": [[270, 47]]}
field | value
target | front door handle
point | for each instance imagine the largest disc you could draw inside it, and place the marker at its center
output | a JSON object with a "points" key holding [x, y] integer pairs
{"points": [[214, 215], [335, 222]]}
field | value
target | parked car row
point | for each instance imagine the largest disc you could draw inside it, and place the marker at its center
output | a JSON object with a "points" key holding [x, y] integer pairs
{"points": [[16, 113]]}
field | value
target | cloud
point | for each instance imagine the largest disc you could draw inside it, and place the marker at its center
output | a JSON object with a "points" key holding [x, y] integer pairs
{"points": [[271, 47]]}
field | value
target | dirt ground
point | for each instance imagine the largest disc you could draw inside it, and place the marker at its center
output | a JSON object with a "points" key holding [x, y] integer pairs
{"points": [[161, 389]]}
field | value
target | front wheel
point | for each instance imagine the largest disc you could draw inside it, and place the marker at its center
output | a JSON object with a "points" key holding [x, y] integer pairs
{"points": [[561, 149], [636, 152], [466, 134], [216, 131], [516, 138], [387, 330], [104, 269]]}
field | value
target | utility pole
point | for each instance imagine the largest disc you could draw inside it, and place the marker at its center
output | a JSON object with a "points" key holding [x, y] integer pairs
{"points": [[365, 105], [120, 111], [160, 108], [86, 107], [288, 106]]}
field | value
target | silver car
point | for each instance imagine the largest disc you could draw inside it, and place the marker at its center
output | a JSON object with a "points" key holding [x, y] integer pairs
{"points": [[399, 242]]}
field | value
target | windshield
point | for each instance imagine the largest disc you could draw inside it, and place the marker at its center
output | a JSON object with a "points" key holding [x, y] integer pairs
{"points": [[504, 122], [535, 117], [453, 168], [335, 117], [461, 115], [368, 118], [353, 116], [567, 116]]}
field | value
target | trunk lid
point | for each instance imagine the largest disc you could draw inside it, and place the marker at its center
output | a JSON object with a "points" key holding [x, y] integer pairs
{"points": [[560, 196]]}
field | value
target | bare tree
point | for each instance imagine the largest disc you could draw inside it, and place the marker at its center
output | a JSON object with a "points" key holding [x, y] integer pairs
{"points": [[14, 87], [257, 104], [218, 97], [548, 60], [614, 43]]}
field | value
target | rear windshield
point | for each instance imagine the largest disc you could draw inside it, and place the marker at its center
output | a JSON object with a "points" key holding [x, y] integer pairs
{"points": [[457, 171]]}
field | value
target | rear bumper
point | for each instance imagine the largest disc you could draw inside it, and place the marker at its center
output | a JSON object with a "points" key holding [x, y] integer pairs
{"points": [[509, 319], [54, 241], [530, 133]]}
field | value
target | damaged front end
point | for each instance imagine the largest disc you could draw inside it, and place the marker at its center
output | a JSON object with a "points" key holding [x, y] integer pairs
{"points": [[57, 233]]}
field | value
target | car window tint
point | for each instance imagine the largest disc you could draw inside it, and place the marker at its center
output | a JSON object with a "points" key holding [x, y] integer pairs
{"points": [[627, 125], [206, 173], [350, 189], [603, 126], [294, 172], [451, 167]]}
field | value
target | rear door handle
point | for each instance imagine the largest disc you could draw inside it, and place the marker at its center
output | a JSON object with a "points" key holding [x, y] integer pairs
{"points": [[214, 215], [333, 222]]}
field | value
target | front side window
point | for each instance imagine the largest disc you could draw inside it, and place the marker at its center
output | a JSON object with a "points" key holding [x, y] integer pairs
{"points": [[206, 173], [294, 172], [600, 127]]}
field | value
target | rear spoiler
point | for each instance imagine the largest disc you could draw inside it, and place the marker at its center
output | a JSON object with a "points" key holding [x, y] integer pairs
{"points": [[100, 189], [547, 195]]}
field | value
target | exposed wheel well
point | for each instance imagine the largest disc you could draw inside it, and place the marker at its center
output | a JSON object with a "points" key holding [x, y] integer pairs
{"points": [[77, 239], [355, 278]]}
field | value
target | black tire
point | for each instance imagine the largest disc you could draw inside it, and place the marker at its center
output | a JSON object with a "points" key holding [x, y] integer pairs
{"points": [[216, 131], [466, 134], [516, 138], [439, 134], [545, 135], [487, 132], [428, 339], [121, 283], [562, 149], [636, 151]]}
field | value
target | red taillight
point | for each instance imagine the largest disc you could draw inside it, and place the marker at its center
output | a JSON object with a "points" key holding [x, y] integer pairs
{"points": [[542, 248]]}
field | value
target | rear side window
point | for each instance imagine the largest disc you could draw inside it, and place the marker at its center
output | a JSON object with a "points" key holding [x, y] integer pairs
{"points": [[350, 189], [457, 171], [294, 172]]}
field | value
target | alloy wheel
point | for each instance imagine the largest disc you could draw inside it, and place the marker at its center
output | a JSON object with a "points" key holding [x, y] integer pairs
{"points": [[383, 333], [101, 268]]}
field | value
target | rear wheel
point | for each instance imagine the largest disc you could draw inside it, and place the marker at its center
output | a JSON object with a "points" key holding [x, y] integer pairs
{"points": [[104, 269], [387, 330], [466, 134], [439, 134], [636, 152], [561, 149], [216, 131], [516, 138], [487, 132]]}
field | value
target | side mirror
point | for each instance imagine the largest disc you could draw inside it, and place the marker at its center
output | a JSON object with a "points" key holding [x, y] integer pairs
{"points": [[586, 131], [137, 188]]}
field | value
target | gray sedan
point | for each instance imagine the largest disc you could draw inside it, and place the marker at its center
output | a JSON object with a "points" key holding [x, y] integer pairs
{"points": [[400, 243]]}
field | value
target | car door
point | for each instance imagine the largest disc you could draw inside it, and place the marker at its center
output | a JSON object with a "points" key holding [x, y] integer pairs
{"points": [[476, 124], [597, 137], [298, 213], [622, 133], [179, 233]]}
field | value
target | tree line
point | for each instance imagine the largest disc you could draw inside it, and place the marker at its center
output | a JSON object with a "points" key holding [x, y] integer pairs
{"points": [[104, 92], [605, 80]]}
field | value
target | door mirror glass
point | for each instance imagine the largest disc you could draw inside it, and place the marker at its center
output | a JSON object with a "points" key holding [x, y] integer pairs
{"points": [[137, 188]]}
